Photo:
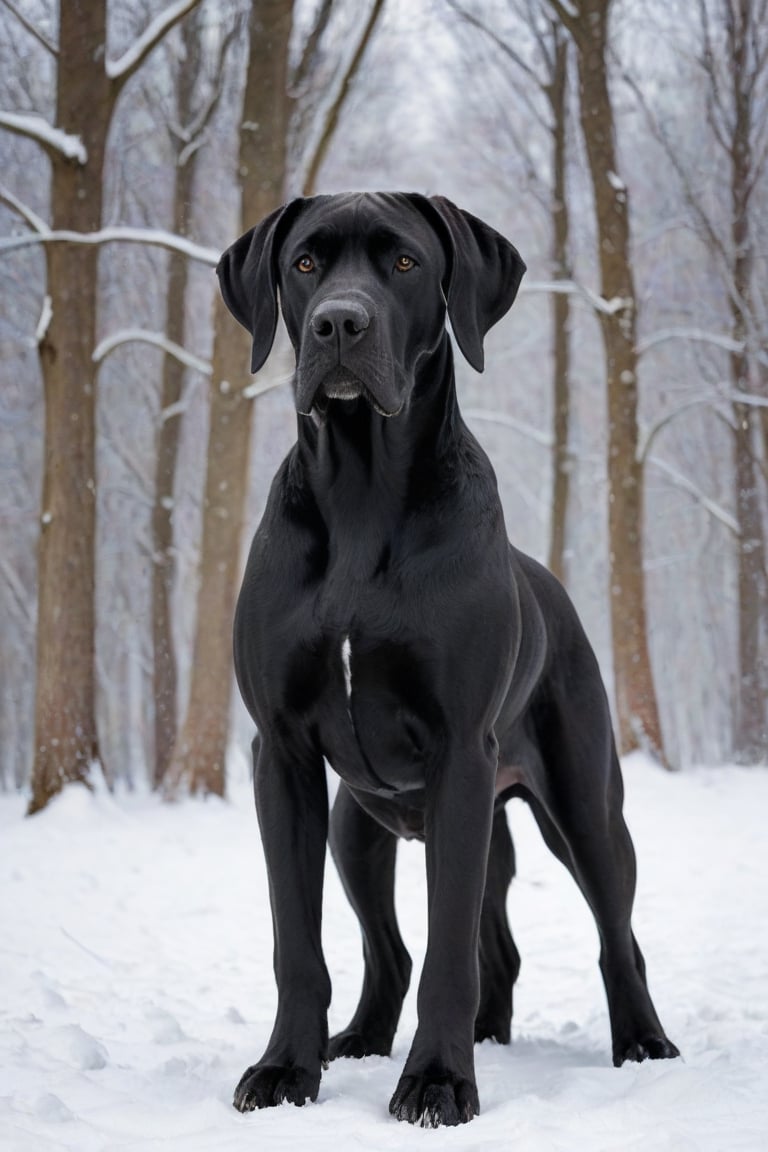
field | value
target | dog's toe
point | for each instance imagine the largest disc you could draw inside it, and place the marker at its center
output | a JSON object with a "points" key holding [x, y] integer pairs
{"points": [[434, 1102], [266, 1085], [647, 1048]]}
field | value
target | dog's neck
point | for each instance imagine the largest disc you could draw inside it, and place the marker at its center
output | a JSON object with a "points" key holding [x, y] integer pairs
{"points": [[370, 473], [353, 452]]}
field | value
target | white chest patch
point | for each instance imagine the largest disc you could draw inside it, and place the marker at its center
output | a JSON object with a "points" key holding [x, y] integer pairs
{"points": [[346, 653]]}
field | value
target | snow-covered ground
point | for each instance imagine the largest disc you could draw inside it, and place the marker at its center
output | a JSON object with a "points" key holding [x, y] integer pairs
{"points": [[136, 984]]}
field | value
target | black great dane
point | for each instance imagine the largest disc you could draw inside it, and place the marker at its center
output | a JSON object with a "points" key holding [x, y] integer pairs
{"points": [[386, 624]]}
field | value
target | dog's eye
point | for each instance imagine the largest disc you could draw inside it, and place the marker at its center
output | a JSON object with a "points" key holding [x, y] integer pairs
{"points": [[404, 263], [305, 264]]}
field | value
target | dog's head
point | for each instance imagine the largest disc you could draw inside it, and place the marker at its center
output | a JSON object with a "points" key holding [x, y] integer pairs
{"points": [[364, 280]]}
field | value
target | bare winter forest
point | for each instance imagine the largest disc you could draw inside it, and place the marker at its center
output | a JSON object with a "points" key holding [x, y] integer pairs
{"points": [[622, 146]]}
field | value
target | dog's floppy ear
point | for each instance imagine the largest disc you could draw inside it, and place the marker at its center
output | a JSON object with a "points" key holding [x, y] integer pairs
{"points": [[248, 279], [484, 274]]}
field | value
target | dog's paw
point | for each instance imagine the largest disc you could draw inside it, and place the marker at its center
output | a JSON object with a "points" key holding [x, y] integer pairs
{"points": [[647, 1048], [355, 1045], [433, 1100], [266, 1085]]}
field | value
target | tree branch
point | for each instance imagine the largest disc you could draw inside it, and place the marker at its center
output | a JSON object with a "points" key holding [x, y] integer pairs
{"points": [[702, 335], [572, 288], [158, 340], [686, 485], [502, 45], [27, 24], [154, 237], [191, 134], [53, 140], [35, 222], [120, 71], [567, 13], [309, 54], [332, 118]]}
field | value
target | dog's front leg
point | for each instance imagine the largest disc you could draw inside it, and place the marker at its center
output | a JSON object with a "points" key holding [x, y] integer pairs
{"points": [[292, 805], [438, 1082]]}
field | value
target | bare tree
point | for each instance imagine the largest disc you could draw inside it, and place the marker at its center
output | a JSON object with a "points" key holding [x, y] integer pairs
{"points": [[87, 89], [198, 86], [549, 73], [638, 716]]}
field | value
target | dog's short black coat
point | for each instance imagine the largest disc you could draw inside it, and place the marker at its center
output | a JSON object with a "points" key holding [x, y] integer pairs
{"points": [[386, 624]]}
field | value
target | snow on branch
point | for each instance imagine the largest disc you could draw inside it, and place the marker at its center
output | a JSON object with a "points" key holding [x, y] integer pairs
{"points": [[120, 70], [139, 335], [571, 288], [155, 237], [44, 323], [171, 348], [52, 139], [23, 210], [258, 388]]}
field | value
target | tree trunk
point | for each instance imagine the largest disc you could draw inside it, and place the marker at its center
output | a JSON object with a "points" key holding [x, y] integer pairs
{"points": [[638, 717], [561, 313], [751, 733], [164, 672], [65, 722], [750, 736], [201, 747]]}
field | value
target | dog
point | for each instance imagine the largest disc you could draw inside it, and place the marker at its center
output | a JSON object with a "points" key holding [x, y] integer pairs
{"points": [[386, 624]]}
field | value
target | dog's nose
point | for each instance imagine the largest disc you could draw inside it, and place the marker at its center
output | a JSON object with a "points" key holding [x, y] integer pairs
{"points": [[342, 320]]}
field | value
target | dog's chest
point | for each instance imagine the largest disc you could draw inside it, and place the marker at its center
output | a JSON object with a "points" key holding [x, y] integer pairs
{"points": [[374, 713]]}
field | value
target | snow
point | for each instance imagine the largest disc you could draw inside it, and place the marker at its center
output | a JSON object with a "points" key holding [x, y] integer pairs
{"points": [[38, 128], [136, 983], [44, 323]]}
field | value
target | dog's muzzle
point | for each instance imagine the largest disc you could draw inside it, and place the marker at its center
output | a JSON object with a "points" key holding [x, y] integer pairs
{"points": [[341, 360]]}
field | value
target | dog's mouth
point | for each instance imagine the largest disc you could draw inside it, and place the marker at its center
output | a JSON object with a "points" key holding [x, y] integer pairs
{"points": [[341, 384]]}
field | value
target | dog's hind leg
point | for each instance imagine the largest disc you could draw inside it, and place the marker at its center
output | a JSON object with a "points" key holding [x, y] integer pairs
{"points": [[499, 958], [364, 853], [579, 812]]}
